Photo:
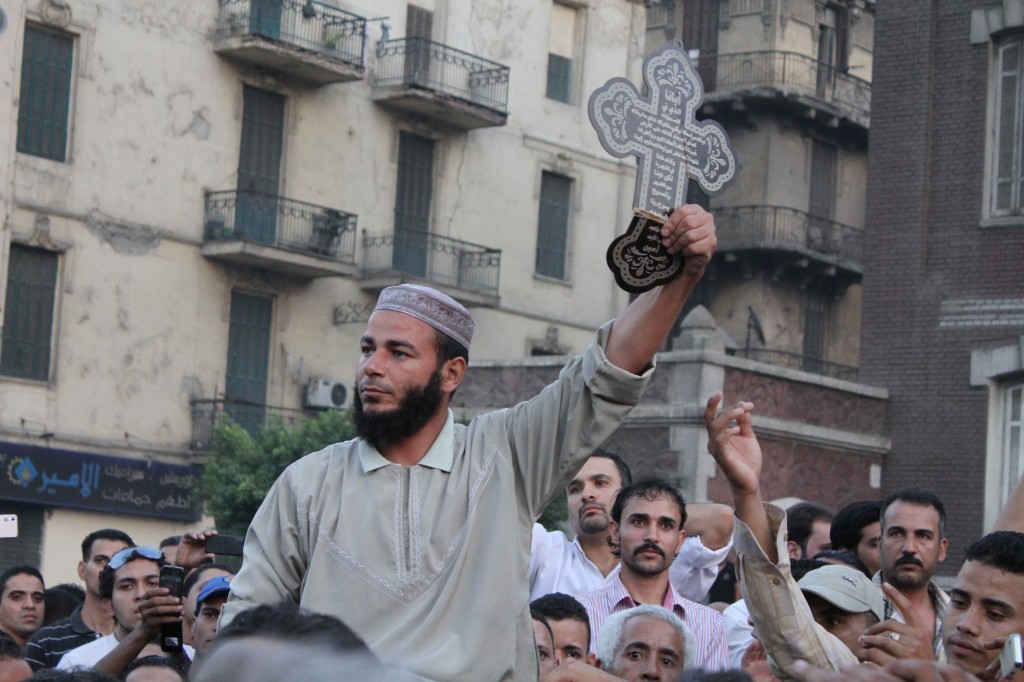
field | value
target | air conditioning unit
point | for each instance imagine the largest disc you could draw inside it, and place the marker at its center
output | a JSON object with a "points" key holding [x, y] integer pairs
{"points": [[327, 394]]}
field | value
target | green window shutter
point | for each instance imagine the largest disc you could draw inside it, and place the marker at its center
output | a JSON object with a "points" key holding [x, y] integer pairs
{"points": [[553, 225], [245, 388], [28, 313], [45, 93], [559, 78]]}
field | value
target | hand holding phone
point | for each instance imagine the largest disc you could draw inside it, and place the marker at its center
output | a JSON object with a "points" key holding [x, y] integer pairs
{"points": [[171, 637]]}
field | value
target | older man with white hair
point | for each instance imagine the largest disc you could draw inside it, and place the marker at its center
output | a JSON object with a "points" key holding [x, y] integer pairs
{"points": [[646, 642]]}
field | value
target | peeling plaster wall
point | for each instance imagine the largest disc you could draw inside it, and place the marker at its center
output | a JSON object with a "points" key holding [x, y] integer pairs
{"points": [[142, 318]]}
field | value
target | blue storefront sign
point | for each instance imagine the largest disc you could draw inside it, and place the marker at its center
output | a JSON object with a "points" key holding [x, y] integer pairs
{"points": [[82, 480]]}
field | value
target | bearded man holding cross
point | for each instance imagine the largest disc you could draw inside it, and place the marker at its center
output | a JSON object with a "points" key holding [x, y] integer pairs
{"points": [[419, 521]]}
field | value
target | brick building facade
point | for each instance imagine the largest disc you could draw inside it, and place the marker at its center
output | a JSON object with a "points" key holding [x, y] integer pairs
{"points": [[943, 252]]}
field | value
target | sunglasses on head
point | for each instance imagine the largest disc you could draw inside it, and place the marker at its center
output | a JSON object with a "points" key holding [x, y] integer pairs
{"points": [[129, 553]]}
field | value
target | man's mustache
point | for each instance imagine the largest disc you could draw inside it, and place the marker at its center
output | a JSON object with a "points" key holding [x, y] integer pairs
{"points": [[649, 546], [909, 559]]}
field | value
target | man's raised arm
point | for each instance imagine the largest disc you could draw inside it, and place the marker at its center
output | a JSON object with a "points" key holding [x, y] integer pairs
{"points": [[641, 329]]}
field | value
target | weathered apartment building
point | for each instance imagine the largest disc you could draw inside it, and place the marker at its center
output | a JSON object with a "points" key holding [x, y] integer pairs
{"points": [[202, 200]]}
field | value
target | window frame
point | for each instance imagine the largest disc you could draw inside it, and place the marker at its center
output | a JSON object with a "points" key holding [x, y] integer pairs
{"points": [[566, 228], [54, 314], [22, 146], [1014, 215]]}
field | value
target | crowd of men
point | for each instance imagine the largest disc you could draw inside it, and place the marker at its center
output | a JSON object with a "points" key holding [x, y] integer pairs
{"points": [[412, 552]]}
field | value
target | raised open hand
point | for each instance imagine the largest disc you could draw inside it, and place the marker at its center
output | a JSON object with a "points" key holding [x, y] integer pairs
{"points": [[732, 443]]}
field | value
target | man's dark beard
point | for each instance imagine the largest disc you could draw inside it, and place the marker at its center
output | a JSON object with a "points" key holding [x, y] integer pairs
{"points": [[383, 429], [904, 581]]}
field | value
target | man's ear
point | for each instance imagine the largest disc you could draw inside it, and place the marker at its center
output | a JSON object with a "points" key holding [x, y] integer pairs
{"points": [[452, 372], [592, 660], [81, 570], [794, 550]]}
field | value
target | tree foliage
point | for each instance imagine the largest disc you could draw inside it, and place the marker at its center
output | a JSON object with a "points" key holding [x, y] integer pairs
{"points": [[241, 468]]}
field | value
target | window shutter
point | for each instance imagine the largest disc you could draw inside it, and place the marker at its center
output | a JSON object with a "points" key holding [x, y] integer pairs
{"points": [[45, 93]]}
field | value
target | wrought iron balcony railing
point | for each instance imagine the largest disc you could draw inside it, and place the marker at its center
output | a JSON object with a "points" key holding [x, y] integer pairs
{"points": [[423, 63], [741, 227], [206, 414], [806, 363], [724, 73], [239, 215], [441, 260], [306, 24]]}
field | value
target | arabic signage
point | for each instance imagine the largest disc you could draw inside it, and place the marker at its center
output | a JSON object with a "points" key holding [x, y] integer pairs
{"points": [[82, 480]]}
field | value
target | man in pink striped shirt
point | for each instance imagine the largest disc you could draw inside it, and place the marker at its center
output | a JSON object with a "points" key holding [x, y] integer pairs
{"points": [[647, 527]]}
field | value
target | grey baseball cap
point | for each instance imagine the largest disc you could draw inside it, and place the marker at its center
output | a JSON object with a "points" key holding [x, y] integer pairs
{"points": [[846, 588]]}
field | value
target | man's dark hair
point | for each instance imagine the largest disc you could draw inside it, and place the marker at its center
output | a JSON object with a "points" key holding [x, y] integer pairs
{"points": [[625, 474], [107, 574], [543, 620], [842, 556], [560, 606], [649, 489], [169, 541], [155, 662], [1002, 549], [196, 573], [448, 348], [60, 601], [850, 521], [104, 534], [77, 675], [20, 569], [801, 567], [9, 649], [720, 676], [286, 622], [921, 497], [801, 518]]}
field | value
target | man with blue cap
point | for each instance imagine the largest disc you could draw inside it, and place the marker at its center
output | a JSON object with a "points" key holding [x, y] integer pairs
{"points": [[420, 521], [208, 604]]}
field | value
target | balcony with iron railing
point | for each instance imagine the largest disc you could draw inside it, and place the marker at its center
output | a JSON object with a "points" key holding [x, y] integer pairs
{"points": [[207, 413], [309, 40], [469, 271], [452, 87], [788, 75], [283, 235], [799, 361], [787, 230]]}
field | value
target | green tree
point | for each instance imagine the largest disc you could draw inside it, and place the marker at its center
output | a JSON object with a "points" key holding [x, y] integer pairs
{"points": [[241, 468]]}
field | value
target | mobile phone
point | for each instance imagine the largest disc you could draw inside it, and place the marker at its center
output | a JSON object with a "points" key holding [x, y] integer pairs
{"points": [[8, 525], [225, 544], [1011, 658], [171, 577]]}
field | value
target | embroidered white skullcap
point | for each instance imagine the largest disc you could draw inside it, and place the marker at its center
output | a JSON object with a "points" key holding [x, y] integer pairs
{"points": [[440, 311]]}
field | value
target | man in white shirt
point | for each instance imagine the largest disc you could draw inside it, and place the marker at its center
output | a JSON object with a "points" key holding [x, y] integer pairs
{"points": [[127, 579], [585, 563]]}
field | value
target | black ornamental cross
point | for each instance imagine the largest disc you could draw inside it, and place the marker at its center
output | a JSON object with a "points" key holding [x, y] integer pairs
{"points": [[670, 146], [660, 130]]}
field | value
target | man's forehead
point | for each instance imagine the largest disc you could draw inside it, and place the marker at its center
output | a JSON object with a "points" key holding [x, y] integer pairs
{"points": [[662, 505], [984, 581], [140, 567], [911, 515], [650, 630], [106, 547], [23, 582], [569, 629], [599, 466]]}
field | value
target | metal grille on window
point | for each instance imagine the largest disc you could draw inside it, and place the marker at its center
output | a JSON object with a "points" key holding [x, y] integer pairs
{"points": [[45, 93], [28, 313], [1013, 448], [553, 225], [1008, 175]]}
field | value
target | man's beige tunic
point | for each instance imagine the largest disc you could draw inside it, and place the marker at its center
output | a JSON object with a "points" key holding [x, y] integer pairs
{"points": [[429, 563]]}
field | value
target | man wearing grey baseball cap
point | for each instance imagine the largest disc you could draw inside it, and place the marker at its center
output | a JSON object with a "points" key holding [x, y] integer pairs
{"points": [[403, 531]]}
